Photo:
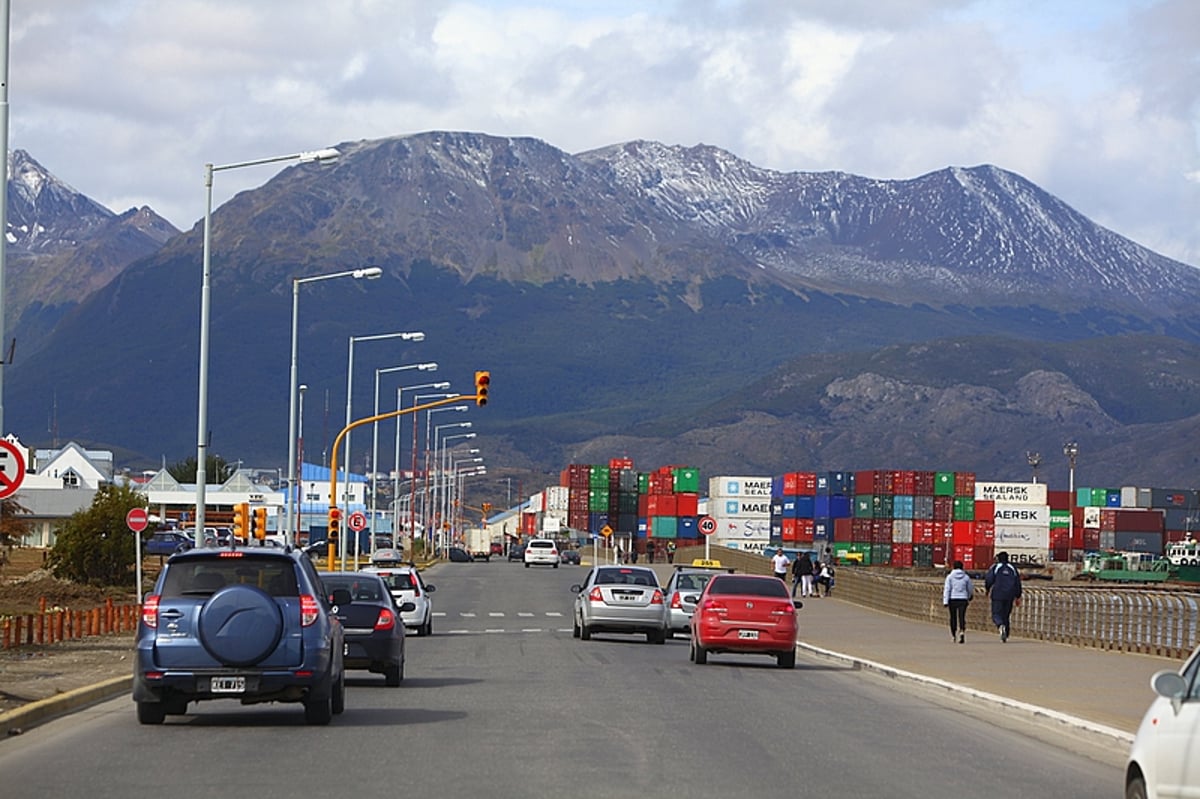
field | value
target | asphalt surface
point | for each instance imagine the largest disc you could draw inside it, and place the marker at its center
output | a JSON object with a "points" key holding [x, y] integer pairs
{"points": [[1096, 691]]}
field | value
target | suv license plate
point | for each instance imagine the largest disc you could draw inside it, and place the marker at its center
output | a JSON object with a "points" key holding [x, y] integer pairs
{"points": [[228, 685], [751, 634]]}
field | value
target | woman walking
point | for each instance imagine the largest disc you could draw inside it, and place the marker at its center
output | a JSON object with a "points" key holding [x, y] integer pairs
{"points": [[956, 595]]}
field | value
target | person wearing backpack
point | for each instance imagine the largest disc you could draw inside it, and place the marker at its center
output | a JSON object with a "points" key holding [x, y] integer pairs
{"points": [[1003, 584]]}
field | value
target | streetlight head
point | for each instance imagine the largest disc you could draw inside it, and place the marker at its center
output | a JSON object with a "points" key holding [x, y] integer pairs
{"points": [[368, 272], [426, 367], [304, 386], [320, 156], [460, 408], [416, 335], [440, 385]]}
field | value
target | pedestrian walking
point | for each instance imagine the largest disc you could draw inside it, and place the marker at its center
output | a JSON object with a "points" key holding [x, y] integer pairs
{"points": [[825, 578], [633, 553], [1003, 584], [957, 593], [670, 552], [802, 575], [827, 558], [780, 564]]}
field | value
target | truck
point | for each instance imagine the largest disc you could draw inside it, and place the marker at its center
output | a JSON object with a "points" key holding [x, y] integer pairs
{"points": [[478, 543]]}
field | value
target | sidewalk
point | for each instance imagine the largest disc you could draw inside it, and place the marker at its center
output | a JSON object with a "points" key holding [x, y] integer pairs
{"points": [[1106, 692]]}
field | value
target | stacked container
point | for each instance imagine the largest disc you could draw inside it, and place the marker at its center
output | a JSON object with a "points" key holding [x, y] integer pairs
{"points": [[669, 505], [741, 507], [1021, 517]]}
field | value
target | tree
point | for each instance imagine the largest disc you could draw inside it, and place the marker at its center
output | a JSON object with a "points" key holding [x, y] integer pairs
{"points": [[95, 545], [12, 527], [216, 470]]}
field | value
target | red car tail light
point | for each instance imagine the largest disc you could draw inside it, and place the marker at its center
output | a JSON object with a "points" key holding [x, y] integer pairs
{"points": [[657, 599], [676, 603], [714, 606], [386, 620], [309, 610], [595, 595], [150, 611]]}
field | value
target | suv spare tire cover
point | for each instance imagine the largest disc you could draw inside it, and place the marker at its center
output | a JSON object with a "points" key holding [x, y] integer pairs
{"points": [[240, 625]]}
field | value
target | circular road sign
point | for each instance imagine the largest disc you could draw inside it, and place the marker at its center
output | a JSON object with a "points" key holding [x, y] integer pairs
{"points": [[137, 519], [357, 521], [12, 468], [706, 525]]}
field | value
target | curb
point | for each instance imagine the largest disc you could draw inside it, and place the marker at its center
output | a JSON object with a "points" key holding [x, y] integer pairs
{"points": [[1034, 711], [17, 721]]}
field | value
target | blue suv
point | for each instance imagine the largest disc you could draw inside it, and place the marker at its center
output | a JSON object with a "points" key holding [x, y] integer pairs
{"points": [[247, 623]]}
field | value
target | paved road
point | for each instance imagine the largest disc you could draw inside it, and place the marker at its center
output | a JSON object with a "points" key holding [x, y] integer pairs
{"points": [[512, 705]]}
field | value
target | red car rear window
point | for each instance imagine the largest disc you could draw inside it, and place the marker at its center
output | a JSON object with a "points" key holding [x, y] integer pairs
{"points": [[744, 584]]}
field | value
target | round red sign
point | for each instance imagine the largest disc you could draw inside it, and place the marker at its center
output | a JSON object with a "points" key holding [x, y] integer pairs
{"points": [[357, 521], [706, 525], [137, 519]]}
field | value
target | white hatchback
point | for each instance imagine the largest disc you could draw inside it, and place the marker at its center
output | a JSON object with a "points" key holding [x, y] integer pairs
{"points": [[542, 552], [1165, 758]]}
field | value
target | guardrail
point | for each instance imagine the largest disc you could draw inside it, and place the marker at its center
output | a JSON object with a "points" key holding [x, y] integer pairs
{"points": [[52, 625], [1148, 622]]}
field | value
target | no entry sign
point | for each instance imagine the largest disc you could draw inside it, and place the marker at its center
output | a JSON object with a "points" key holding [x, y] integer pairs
{"points": [[12, 468], [137, 519]]}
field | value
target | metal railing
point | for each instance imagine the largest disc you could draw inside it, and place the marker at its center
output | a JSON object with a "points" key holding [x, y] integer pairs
{"points": [[1148, 622]]}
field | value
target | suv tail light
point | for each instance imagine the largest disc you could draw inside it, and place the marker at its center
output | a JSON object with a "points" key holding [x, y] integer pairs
{"points": [[386, 620], [309, 610], [150, 611]]}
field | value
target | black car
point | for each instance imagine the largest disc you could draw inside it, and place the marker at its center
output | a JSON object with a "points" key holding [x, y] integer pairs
{"points": [[371, 620], [516, 552], [459, 555], [168, 542], [570, 556], [251, 624]]}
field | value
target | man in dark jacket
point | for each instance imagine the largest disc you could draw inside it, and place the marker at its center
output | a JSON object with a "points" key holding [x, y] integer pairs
{"points": [[1003, 584]]}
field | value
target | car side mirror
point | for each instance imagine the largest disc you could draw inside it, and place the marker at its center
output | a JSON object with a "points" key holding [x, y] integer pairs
{"points": [[429, 589], [408, 607], [575, 589], [341, 596], [797, 603], [1169, 685]]}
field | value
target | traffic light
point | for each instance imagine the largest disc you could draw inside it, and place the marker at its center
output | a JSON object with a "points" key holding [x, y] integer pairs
{"points": [[241, 521], [483, 380], [487, 509], [260, 523], [335, 522]]}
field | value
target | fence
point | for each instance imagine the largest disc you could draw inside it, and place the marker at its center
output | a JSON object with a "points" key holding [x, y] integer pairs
{"points": [[52, 625], [1149, 622]]}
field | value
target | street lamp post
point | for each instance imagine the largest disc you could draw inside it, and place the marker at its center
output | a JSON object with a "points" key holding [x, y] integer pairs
{"points": [[411, 336], [439, 488], [426, 504], [454, 496], [447, 483], [318, 156], [424, 367], [369, 273], [1071, 450], [412, 505], [396, 461]]}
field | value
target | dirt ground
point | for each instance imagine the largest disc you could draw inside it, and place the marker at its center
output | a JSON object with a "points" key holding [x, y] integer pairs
{"points": [[29, 673]]}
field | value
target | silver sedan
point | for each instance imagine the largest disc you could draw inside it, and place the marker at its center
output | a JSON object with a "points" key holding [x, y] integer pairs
{"points": [[620, 599]]}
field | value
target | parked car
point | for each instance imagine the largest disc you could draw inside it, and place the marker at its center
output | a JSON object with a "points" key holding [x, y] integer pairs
{"points": [[516, 552], [683, 591], [541, 551], [620, 599], [251, 624], [746, 614], [374, 631], [1165, 757], [168, 543], [458, 555], [406, 585], [570, 556]]}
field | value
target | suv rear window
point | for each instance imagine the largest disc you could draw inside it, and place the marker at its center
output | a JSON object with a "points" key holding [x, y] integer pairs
{"points": [[204, 576], [748, 585]]}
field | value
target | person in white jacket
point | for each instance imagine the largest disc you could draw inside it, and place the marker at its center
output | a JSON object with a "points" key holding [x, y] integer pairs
{"points": [[956, 594]]}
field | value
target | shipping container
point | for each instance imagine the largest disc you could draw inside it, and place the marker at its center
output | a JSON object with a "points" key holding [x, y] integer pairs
{"points": [[738, 528], [1132, 541], [1028, 557], [902, 531], [1037, 515], [687, 527], [1130, 520], [985, 510], [902, 506], [1009, 537], [943, 484], [1174, 498], [1182, 519], [964, 509], [902, 555], [922, 555], [598, 477], [843, 529], [620, 463], [943, 508], [751, 508], [687, 504], [740, 487], [1134, 497], [687, 480], [964, 484], [663, 527], [557, 497], [963, 533], [1016, 493], [1059, 500]]}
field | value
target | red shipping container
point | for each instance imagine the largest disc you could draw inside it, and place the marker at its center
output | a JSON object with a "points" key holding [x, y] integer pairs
{"points": [[939, 554], [1060, 554], [687, 504], [881, 531], [922, 531], [886, 482], [1059, 500], [788, 530], [943, 509], [943, 532], [806, 484], [790, 484], [1131, 521], [983, 557], [1172, 536], [965, 553], [963, 534], [985, 510], [661, 505], [1091, 539], [620, 463], [860, 531], [804, 531], [843, 529], [529, 523], [865, 482], [643, 505], [925, 482], [985, 533], [905, 483], [964, 484], [902, 555]]}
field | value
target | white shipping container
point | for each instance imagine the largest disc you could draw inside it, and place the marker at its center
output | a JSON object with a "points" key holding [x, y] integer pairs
{"points": [[552, 523], [1028, 556], [537, 503], [1018, 493], [1032, 515], [1012, 536], [557, 498], [759, 508], [739, 487], [902, 531], [756, 545], [1134, 497], [740, 528]]}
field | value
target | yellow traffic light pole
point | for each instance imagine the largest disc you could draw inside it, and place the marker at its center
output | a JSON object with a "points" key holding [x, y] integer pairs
{"points": [[334, 514]]}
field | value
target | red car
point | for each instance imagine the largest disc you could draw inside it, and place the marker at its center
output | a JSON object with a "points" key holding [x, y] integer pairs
{"points": [[747, 614]]}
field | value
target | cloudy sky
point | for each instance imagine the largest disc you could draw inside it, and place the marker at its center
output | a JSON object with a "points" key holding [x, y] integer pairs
{"points": [[1097, 101]]}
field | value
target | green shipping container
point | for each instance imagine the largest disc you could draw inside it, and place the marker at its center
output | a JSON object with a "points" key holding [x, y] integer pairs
{"points": [[687, 480], [843, 548], [964, 509], [883, 506], [1099, 498], [881, 554], [943, 484], [643, 482], [599, 477], [1060, 519], [664, 526], [864, 506], [598, 500]]}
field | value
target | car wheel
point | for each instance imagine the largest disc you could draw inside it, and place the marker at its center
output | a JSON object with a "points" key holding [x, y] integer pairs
{"points": [[151, 713], [339, 694], [574, 628], [701, 654], [556, 565], [660, 637], [319, 710], [786, 660], [427, 630], [1136, 788], [584, 632], [176, 707], [392, 675], [526, 564]]}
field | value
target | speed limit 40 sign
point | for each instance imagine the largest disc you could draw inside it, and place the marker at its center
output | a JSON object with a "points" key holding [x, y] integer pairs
{"points": [[706, 525]]}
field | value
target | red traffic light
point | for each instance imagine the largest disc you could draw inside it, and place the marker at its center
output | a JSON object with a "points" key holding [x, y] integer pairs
{"points": [[483, 381]]}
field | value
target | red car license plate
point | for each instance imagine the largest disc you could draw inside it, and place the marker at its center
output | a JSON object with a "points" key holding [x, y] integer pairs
{"points": [[750, 634]]}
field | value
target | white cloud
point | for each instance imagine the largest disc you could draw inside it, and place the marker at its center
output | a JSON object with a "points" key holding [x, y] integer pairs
{"points": [[1098, 101]]}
